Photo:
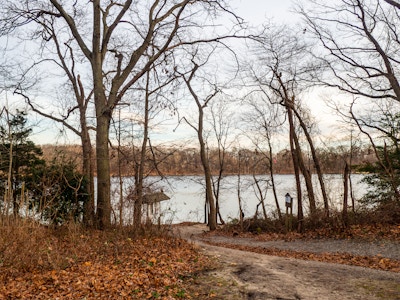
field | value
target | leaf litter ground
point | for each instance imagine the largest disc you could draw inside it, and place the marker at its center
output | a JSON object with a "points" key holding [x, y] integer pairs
{"points": [[99, 265], [330, 269], [376, 247], [107, 265]]}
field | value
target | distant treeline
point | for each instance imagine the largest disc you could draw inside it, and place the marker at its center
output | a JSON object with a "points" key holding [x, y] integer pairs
{"points": [[186, 161]]}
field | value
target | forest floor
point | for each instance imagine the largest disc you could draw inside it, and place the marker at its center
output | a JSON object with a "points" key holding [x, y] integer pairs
{"points": [[71, 262], [363, 263], [37, 262]]}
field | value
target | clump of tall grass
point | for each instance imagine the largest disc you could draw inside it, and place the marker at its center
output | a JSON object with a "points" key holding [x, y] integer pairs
{"points": [[27, 246]]}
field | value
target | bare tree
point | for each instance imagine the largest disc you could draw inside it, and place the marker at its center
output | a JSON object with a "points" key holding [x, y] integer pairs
{"points": [[283, 76], [359, 51], [155, 87], [262, 121], [239, 187], [359, 42], [221, 123], [386, 129], [112, 39], [201, 104], [82, 130]]}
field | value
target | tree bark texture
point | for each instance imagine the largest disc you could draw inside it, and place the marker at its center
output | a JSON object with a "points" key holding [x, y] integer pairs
{"points": [[296, 168]]}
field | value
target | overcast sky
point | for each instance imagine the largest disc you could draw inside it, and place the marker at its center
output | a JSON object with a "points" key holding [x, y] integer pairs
{"points": [[257, 11], [253, 11], [281, 12]]}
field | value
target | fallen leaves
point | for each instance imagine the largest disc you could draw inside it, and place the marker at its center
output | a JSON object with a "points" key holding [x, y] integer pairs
{"points": [[367, 233], [120, 268], [110, 265], [373, 262]]}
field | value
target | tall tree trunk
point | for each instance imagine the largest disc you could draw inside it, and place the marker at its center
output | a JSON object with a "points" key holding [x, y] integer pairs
{"points": [[306, 173], [88, 172], [87, 152], [316, 162], [212, 218], [345, 195], [120, 178], [350, 181], [216, 191], [307, 176], [288, 102], [296, 168], [137, 211], [217, 184], [241, 214], [271, 172], [103, 118], [103, 172]]}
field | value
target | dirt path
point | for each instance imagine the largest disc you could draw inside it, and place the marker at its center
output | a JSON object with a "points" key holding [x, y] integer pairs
{"points": [[248, 275]]}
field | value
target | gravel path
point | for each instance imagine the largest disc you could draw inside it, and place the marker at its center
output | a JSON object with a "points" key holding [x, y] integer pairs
{"points": [[388, 249], [264, 277], [384, 248]]}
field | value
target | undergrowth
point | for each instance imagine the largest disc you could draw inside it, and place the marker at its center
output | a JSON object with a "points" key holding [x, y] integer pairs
{"points": [[377, 220], [27, 245], [40, 262]]}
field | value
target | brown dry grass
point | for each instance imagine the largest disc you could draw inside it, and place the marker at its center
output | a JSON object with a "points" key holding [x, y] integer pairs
{"points": [[38, 261], [27, 246]]}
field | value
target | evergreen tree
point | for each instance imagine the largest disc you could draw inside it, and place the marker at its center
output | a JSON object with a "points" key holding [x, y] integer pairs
{"points": [[60, 192], [56, 190], [384, 174], [384, 179], [19, 158]]}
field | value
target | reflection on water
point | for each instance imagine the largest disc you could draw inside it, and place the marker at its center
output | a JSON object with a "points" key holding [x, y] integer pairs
{"points": [[187, 195]]}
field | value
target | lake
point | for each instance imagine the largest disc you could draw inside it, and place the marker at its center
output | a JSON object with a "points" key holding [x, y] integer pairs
{"points": [[186, 194]]}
